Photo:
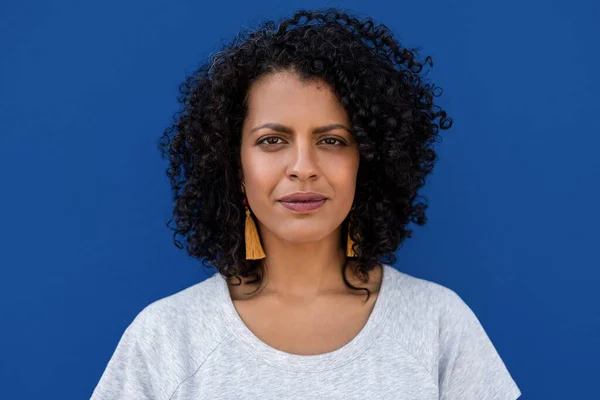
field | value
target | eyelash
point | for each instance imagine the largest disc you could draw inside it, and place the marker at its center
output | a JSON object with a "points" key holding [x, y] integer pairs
{"points": [[263, 140]]}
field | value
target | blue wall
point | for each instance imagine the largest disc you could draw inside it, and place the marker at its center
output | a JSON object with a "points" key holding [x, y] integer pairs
{"points": [[87, 88]]}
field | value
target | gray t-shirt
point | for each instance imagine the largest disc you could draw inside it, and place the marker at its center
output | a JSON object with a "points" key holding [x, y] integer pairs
{"points": [[421, 342]]}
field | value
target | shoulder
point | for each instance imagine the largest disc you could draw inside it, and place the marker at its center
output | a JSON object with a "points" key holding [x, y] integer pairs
{"points": [[423, 315], [189, 311], [163, 345], [434, 306], [181, 330], [438, 328], [426, 299]]}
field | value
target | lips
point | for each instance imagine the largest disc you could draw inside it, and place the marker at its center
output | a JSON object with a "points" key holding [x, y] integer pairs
{"points": [[303, 197], [303, 206], [303, 201]]}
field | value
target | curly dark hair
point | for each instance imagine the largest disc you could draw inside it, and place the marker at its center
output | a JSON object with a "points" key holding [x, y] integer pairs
{"points": [[390, 106]]}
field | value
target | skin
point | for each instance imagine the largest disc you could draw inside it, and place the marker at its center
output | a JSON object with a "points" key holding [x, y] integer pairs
{"points": [[304, 252]]}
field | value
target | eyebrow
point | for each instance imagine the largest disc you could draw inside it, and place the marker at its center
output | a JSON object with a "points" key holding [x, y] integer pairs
{"points": [[285, 129]]}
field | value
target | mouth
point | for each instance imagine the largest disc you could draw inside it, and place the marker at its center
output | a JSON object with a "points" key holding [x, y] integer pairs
{"points": [[303, 197], [303, 206]]}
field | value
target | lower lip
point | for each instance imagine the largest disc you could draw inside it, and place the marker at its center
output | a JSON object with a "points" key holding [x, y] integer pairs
{"points": [[303, 206]]}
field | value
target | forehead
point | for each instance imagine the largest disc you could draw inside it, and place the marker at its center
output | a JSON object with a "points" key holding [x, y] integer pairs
{"points": [[282, 96]]}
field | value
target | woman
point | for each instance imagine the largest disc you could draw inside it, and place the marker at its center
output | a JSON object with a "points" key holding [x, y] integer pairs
{"points": [[295, 163]]}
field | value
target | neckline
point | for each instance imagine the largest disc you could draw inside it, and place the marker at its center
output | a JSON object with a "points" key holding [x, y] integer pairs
{"points": [[298, 362]]}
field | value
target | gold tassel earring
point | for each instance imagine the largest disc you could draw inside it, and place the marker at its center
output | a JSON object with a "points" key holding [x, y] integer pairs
{"points": [[254, 250], [349, 242]]}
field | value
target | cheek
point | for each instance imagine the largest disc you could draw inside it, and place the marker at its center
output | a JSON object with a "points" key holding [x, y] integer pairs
{"points": [[260, 174], [341, 171]]}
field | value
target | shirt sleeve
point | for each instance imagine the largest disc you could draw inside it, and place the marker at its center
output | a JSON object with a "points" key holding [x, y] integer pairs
{"points": [[127, 374], [470, 368]]}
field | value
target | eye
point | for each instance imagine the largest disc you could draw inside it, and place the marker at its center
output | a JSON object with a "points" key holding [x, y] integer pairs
{"points": [[269, 140], [332, 141], [273, 140]]}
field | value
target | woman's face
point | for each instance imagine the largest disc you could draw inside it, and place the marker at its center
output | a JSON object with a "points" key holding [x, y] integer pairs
{"points": [[298, 154]]}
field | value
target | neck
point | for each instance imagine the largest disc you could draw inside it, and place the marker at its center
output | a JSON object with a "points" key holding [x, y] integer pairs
{"points": [[300, 271]]}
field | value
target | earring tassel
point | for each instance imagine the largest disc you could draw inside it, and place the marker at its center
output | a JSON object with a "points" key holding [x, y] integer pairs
{"points": [[349, 251], [254, 250]]}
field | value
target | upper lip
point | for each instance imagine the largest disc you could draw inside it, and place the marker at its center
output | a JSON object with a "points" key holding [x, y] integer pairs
{"points": [[303, 196]]}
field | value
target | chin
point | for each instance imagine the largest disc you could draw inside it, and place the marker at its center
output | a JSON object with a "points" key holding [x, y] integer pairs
{"points": [[304, 235]]}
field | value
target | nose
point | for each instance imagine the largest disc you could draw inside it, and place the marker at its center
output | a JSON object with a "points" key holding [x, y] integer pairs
{"points": [[303, 164]]}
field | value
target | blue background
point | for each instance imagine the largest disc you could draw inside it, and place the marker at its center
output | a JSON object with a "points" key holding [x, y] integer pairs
{"points": [[86, 89]]}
